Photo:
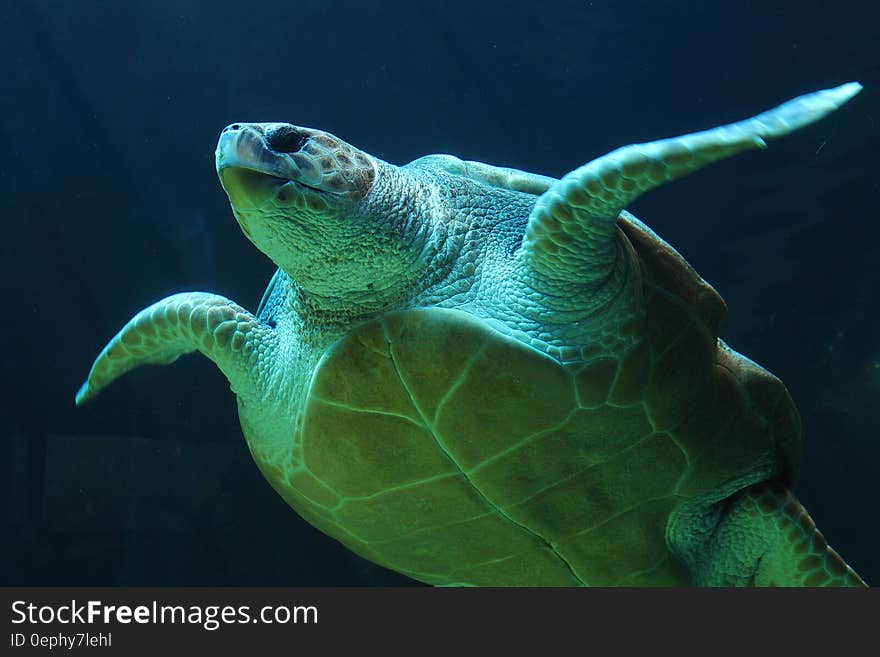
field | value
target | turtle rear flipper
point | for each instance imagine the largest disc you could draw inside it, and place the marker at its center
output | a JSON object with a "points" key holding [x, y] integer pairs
{"points": [[766, 538], [191, 321]]}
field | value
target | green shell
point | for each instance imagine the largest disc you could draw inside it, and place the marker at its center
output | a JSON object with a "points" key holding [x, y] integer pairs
{"points": [[435, 445]]}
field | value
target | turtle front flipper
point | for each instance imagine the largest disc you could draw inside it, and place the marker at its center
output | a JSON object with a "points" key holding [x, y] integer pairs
{"points": [[766, 538], [192, 321], [569, 238]]}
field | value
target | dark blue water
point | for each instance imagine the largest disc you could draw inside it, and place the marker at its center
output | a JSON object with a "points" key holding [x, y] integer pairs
{"points": [[109, 113]]}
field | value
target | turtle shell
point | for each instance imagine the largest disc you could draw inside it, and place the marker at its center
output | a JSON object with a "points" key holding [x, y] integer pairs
{"points": [[434, 445]]}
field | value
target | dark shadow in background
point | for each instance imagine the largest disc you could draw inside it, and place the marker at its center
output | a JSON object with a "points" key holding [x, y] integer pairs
{"points": [[110, 113]]}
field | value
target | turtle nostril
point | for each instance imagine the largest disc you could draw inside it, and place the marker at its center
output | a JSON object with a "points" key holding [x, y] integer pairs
{"points": [[232, 128], [285, 139]]}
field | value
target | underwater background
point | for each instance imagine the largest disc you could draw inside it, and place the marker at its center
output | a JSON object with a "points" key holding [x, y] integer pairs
{"points": [[109, 115]]}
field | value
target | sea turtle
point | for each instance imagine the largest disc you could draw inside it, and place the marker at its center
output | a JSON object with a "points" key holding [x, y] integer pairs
{"points": [[475, 375]]}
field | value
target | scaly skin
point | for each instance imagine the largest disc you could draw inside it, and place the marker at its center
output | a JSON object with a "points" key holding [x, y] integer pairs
{"points": [[579, 291], [220, 329], [767, 538]]}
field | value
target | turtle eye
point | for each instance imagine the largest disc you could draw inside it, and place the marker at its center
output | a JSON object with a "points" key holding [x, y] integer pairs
{"points": [[285, 139]]}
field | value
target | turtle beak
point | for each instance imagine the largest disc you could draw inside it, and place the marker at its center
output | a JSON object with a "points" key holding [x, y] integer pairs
{"points": [[249, 170], [313, 159], [245, 145]]}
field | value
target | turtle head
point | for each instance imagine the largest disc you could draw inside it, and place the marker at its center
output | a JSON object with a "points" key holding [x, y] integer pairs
{"points": [[318, 207], [262, 162]]}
